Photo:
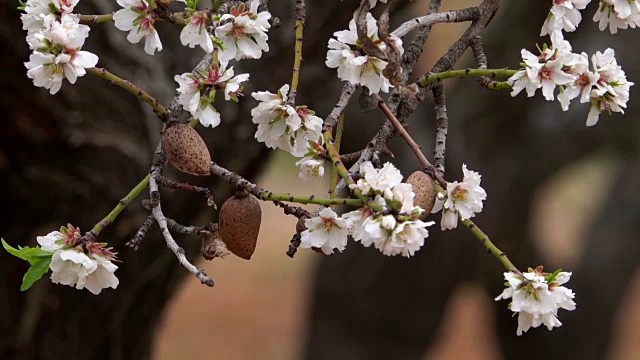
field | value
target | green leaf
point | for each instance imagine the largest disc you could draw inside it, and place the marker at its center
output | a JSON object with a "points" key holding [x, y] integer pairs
{"points": [[11, 250], [35, 272], [27, 253]]}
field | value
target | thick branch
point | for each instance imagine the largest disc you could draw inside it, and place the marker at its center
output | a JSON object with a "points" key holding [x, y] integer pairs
{"points": [[468, 14]]}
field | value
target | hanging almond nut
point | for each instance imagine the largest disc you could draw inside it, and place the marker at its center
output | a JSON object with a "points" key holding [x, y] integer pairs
{"points": [[425, 190], [186, 150], [239, 224]]}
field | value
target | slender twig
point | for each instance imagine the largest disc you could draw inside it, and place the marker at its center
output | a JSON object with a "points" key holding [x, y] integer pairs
{"points": [[173, 184], [95, 19], [297, 61], [347, 91], [184, 229], [298, 212], [122, 204], [141, 233], [484, 239], [432, 78], [240, 183], [415, 148], [171, 243], [442, 127], [468, 14], [158, 108]]}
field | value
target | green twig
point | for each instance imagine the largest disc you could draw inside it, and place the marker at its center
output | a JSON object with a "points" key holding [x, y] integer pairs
{"points": [[297, 60], [492, 73], [158, 108], [334, 170], [122, 204]]}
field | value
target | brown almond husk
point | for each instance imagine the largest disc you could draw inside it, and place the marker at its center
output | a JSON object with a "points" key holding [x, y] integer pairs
{"points": [[186, 150], [239, 224], [425, 190]]}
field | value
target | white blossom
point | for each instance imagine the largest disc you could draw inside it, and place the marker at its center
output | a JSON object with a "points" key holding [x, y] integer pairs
{"points": [[52, 242], [57, 54], [462, 199], [310, 168], [377, 180], [618, 14], [137, 18], [281, 126], [327, 232], [75, 268], [243, 33], [275, 118], [197, 91], [611, 90], [564, 16], [406, 238], [344, 54], [195, 32], [39, 14], [536, 297]]}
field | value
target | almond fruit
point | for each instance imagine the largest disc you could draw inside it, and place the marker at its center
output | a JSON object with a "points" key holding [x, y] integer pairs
{"points": [[425, 190], [239, 224], [186, 150]]}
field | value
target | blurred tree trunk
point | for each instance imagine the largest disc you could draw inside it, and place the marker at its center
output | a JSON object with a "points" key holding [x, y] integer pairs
{"points": [[367, 306]]}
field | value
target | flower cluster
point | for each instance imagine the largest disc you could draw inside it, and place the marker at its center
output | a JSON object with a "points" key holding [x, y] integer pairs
{"points": [[618, 14], [282, 126], [39, 14], [615, 14], [137, 17], [242, 34], [537, 296], [197, 91], [462, 199], [353, 66], [56, 37], [605, 87], [393, 227], [73, 263]]}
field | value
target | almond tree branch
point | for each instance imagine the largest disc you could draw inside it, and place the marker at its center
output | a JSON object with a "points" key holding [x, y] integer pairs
{"points": [[241, 183], [441, 183], [166, 234]]}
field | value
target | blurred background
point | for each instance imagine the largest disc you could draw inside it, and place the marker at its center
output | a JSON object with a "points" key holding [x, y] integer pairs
{"points": [[560, 194]]}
